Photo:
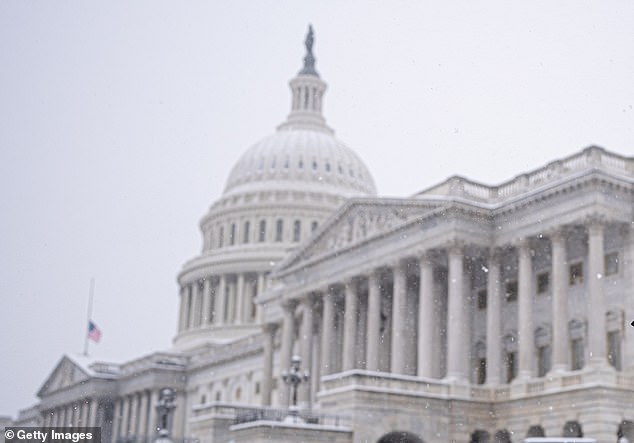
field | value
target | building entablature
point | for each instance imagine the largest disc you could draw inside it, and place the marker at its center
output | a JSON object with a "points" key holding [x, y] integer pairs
{"points": [[253, 259], [98, 388]]}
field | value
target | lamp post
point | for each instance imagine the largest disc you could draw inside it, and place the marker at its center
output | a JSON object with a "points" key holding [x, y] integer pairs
{"points": [[164, 407], [293, 377]]}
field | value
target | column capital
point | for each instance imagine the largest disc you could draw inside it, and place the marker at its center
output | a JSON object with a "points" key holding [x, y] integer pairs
{"points": [[455, 246], [494, 253], [289, 305], [521, 243], [308, 300], [557, 233], [595, 221], [426, 257], [270, 328]]}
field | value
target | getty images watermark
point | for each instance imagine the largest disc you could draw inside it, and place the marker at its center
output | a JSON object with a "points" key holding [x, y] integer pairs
{"points": [[51, 435]]}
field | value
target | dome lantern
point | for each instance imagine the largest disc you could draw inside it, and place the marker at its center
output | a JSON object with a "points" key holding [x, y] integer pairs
{"points": [[308, 92]]}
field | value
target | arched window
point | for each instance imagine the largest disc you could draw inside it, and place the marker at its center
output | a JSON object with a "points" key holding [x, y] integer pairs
{"points": [[279, 230], [480, 436], [536, 431], [247, 229], [262, 233], [625, 432], [297, 230], [400, 437], [502, 436], [572, 429]]}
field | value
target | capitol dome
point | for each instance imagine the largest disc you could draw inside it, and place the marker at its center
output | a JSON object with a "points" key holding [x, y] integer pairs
{"points": [[303, 154], [304, 159], [277, 195]]}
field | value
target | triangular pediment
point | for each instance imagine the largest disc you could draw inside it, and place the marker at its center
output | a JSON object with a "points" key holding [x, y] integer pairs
{"points": [[66, 373], [356, 222]]}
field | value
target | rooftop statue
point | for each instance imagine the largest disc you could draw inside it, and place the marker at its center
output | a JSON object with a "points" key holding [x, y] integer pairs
{"points": [[309, 59]]}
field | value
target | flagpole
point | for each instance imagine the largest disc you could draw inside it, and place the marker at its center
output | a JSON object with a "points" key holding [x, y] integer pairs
{"points": [[90, 296]]}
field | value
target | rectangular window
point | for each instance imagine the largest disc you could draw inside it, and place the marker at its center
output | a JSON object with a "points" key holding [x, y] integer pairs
{"points": [[578, 359], [482, 299], [614, 349], [612, 263], [221, 236], [575, 272], [279, 230], [482, 370], [313, 226], [297, 230], [232, 235], [262, 234], [511, 366], [510, 290], [247, 228], [543, 360], [543, 282]]}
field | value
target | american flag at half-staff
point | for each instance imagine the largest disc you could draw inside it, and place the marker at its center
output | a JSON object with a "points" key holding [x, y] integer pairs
{"points": [[93, 332]]}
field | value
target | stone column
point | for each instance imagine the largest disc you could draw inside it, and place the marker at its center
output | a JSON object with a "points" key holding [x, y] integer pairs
{"points": [[597, 341], [328, 332], [525, 332], [288, 334], [205, 317], [306, 338], [85, 406], [182, 322], [70, 410], [456, 355], [92, 417], [349, 326], [374, 322], [134, 412], [267, 370], [426, 339], [154, 396], [628, 297], [260, 290], [116, 419], [125, 411], [561, 342], [239, 299], [194, 315], [494, 326], [178, 421], [142, 429], [399, 320], [221, 300]]}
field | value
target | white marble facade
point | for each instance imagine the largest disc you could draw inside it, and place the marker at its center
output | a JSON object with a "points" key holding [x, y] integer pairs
{"points": [[463, 313]]}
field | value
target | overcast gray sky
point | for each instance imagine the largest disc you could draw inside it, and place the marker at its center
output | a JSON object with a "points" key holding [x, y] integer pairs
{"points": [[120, 122]]}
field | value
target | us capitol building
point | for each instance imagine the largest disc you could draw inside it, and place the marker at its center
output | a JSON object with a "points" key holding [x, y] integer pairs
{"points": [[463, 313]]}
